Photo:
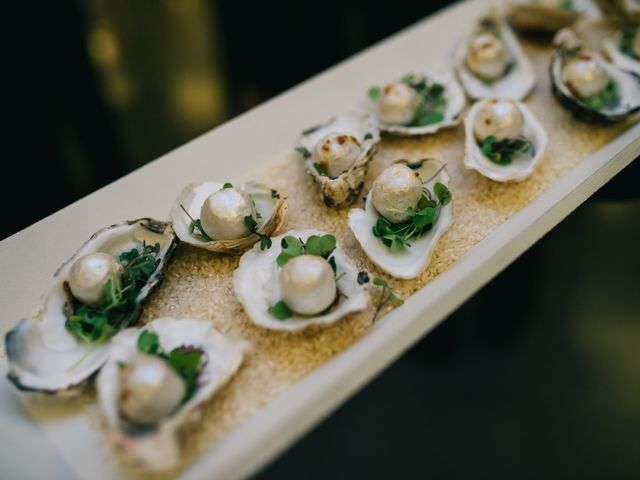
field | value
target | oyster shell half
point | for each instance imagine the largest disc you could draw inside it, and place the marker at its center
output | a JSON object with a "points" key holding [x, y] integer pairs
{"points": [[155, 445], [257, 285], [409, 262], [625, 84], [521, 166], [548, 16], [452, 94], [517, 76], [356, 130], [269, 205], [43, 355]]}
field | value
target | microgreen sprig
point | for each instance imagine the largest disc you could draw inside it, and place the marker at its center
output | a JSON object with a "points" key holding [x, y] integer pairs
{"points": [[608, 97], [118, 306], [503, 151], [387, 296], [626, 42]]}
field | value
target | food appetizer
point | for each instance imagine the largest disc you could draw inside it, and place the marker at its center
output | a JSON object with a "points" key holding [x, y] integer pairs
{"points": [[154, 381], [407, 211], [591, 88], [548, 16], [96, 293], [224, 218], [491, 64], [621, 11], [337, 156], [504, 140], [419, 104], [305, 279], [623, 48]]}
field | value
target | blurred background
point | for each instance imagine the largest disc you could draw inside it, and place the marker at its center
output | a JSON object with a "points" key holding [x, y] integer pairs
{"points": [[538, 375]]}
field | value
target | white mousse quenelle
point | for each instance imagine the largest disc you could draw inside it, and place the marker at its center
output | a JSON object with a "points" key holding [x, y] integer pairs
{"points": [[395, 190], [90, 274], [336, 153], [487, 56], [397, 103], [149, 390], [584, 76], [308, 284], [500, 118], [223, 212]]}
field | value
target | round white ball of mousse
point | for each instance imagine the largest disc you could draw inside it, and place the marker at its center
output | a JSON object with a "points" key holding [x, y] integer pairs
{"points": [[396, 189], [636, 43], [307, 284], [500, 118], [89, 275], [222, 214], [149, 390], [397, 104], [336, 153], [584, 76], [486, 56]]}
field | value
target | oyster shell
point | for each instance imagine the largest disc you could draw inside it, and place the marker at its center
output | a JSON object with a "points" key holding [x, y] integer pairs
{"points": [[156, 447], [568, 47], [611, 47], [522, 166], [43, 355], [257, 286], [518, 78], [546, 16], [410, 261], [623, 11], [269, 204], [455, 103], [343, 189]]}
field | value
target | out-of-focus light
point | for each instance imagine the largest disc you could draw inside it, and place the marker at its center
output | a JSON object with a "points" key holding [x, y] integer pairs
{"points": [[198, 99], [103, 46]]}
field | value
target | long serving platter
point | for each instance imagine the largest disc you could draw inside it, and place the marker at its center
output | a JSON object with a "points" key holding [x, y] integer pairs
{"points": [[68, 446]]}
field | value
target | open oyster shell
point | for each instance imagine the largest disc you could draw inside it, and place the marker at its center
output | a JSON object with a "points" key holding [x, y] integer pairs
{"points": [[455, 98], [537, 16], [43, 355], [568, 45], [344, 189], [515, 84], [158, 447], [521, 167], [411, 261], [257, 286], [268, 202], [623, 11]]}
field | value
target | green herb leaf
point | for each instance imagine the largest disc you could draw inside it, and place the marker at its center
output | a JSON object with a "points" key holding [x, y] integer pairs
{"points": [[626, 42], [148, 342], [250, 222], [374, 93], [197, 232], [427, 118], [381, 282], [321, 246], [265, 242], [281, 311], [319, 169], [227, 185], [334, 267], [567, 5], [291, 247], [442, 192], [303, 151], [503, 151]]}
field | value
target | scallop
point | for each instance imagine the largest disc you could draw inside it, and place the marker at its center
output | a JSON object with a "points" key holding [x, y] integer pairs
{"points": [[394, 110], [410, 261], [577, 78], [337, 156], [44, 355], [490, 62], [504, 120], [221, 210], [548, 16], [143, 399], [258, 286]]}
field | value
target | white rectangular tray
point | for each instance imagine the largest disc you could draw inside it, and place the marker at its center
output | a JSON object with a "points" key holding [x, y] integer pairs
{"points": [[68, 448]]}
